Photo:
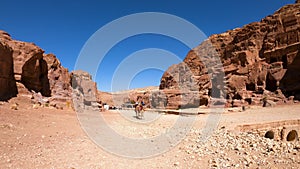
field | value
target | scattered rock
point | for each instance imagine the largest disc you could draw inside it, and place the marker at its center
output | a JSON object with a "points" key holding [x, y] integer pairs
{"points": [[14, 106], [36, 106], [248, 148], [269, 103]]}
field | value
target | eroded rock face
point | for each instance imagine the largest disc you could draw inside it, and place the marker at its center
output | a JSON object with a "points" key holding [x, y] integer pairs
{"points": [[8, 85], [170, 99], [84, 91], [29, 66], [59, 79], [261, 56], [35, 71], [35, 75]]}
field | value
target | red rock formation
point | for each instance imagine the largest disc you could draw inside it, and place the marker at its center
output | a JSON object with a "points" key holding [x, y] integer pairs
{"points": [[29, 66], [59, 79], [8, 87], [261, 56], [84, 91], [34, 70]]}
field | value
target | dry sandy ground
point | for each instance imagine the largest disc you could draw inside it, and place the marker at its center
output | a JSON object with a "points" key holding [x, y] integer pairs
{"points": [[50, 138]]}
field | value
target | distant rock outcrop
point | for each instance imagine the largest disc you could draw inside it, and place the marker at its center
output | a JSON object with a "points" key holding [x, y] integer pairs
{"points": [[28, 68], [84, 91], [118, 99], [259, 60]]}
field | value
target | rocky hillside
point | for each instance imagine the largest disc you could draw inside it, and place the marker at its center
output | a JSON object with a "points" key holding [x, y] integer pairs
{"points": [[117, 99], [25, 69], [259, 60]]}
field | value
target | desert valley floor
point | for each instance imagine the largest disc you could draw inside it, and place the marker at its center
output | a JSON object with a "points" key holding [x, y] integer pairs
{"points": [[51, 138]]}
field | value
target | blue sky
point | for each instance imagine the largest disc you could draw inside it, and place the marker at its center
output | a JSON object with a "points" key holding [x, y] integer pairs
{"points": [[63, 26]]}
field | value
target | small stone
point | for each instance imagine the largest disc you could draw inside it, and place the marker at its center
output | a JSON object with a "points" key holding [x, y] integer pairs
{"points": [[215, 165], [35, 106], [254, 157], [14, 106], [176, 163]]}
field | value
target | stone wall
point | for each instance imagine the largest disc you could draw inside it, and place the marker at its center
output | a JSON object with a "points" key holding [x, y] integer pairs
{"points": [[281, 130]]}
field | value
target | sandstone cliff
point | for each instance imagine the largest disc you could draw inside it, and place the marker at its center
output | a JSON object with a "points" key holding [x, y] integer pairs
{"points": [[7, 81], [26, 69], [259, 60]]}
